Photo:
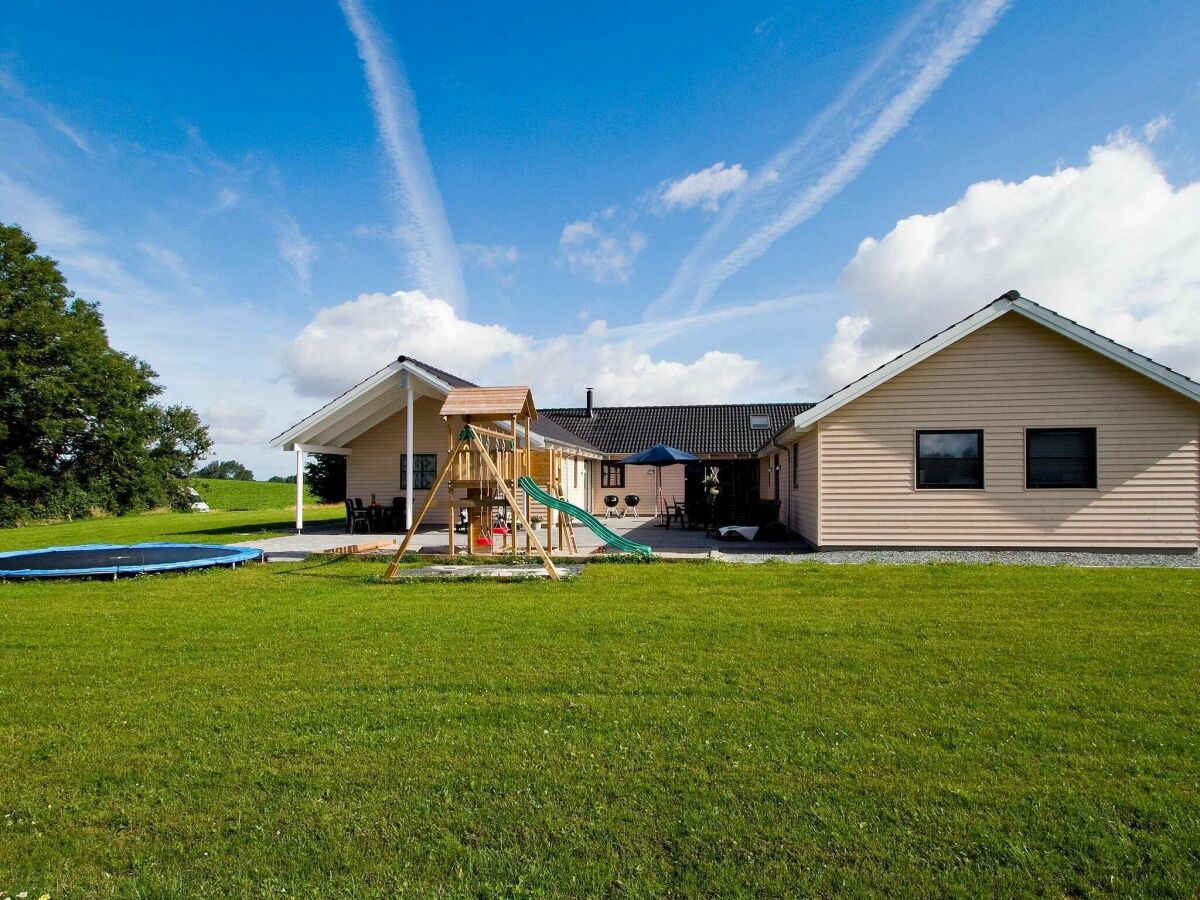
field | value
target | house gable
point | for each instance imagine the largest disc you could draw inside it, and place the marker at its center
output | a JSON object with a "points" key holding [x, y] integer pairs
{"points": [[1011, 303]]}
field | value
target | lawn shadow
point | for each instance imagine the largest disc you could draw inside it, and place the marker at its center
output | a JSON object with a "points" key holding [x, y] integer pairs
{"points": [[251, 529], [317, 566]]}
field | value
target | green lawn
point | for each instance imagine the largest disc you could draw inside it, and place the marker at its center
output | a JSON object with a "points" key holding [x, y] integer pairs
{"points": [[194, 527], [227, 494], [687, 729]]}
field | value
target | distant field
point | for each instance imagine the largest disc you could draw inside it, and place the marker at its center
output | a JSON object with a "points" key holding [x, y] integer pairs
{"points": [[237, 495], [193, 527], [685, 730]]}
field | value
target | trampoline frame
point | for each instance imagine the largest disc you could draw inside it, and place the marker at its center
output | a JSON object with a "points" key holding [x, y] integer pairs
{"points": [[231, 556]]}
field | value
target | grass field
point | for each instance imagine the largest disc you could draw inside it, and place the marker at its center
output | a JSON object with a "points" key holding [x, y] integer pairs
{"points": [[689, 729], [194, 527], [227, 494]]}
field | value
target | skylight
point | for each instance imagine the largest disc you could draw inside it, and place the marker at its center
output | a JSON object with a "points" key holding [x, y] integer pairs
{"points": [[760, 423]]}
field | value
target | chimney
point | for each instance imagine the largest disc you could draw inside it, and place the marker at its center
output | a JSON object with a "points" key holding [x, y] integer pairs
{"points": [[589, 403]]}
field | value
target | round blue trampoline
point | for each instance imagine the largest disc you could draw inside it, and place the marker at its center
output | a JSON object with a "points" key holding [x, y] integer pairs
{"points": [[114, 560]]}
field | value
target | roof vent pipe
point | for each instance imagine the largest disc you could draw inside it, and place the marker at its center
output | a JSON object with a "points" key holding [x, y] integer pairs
{"points": [[589, 403]]}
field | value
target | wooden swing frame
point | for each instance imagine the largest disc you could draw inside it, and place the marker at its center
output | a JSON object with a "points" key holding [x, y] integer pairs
{"points": [[468, 442]]}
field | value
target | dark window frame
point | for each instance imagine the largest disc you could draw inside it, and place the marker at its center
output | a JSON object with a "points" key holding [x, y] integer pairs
{"points": [[424, 471], [607, 470], [1089, 484], [982, 485]]}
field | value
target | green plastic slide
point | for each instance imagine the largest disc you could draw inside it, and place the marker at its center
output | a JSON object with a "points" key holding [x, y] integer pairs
{"points": [[614, 540]]}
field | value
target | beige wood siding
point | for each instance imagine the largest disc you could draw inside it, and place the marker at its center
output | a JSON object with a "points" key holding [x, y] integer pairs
{"points": [[803, 489], [639, 480], [1011, 375], [373, 466]]}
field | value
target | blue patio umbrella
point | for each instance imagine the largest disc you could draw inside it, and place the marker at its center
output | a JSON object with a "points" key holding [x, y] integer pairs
{"points": [[658, 456]]}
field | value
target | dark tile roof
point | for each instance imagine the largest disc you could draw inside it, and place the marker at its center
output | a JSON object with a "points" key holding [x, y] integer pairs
{"points": [[440, 374], [720, 428], [545, 427]]}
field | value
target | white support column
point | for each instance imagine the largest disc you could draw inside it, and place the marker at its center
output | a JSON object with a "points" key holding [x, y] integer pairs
{"points": [[408, 457], [299, 490]]}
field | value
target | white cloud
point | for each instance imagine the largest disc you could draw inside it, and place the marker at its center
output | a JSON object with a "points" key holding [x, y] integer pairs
{"points": [[432, 253], [234, 423], [295, 249], [605, 253], [833, 149], [347, 342], [616, 364], [704, 188], [1111, 244], [1155, 127]]}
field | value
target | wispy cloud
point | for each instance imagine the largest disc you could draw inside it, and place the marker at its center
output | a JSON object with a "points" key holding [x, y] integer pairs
{"points": [[490, 256], [10, 85], [704, 188], [432, 252], [295, 249], [602, 246], [833, 149]]}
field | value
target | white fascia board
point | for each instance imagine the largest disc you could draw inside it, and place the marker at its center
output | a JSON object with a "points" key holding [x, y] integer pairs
{"points": [[336, 405], [890, 370], [346, 403], [436, 383], [317, 448], [1108, 348]]}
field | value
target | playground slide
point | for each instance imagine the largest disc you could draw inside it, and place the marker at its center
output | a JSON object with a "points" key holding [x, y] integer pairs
{"points": [[614, 540]]}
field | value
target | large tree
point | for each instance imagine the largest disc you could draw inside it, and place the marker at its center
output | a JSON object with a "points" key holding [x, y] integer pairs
{"points": [[229, 469], [326, 476], [79, 428]]}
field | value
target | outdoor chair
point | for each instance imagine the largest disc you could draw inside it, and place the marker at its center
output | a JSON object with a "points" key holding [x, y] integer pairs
{"points": [[631, 505], [673, 510], [355, 516], [399, 512], [611, 501]]}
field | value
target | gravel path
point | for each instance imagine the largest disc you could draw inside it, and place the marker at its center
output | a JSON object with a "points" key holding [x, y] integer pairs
{"points": [[1007, 557]]}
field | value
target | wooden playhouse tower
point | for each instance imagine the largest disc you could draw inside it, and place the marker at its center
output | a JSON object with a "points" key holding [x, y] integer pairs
{"points": [[490, 450]]}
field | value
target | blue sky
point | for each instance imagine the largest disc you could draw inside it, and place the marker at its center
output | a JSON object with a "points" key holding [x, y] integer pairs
{"points": [[230, 180]]}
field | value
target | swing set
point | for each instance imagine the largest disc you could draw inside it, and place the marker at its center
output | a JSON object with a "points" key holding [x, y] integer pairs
{"points": [[490, 451]]}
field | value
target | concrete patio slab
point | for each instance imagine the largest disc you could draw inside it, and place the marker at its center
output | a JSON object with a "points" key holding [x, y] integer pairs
{"points": [[670, 543]]}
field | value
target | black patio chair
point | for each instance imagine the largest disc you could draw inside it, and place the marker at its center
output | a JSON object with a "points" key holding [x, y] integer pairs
{"points": [[355, 516], [399, 514], [675, 510]]}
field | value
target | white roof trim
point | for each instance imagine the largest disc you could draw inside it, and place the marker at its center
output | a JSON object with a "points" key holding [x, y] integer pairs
{"points": [[348, 402], [1011, 302], [1093, 340]]}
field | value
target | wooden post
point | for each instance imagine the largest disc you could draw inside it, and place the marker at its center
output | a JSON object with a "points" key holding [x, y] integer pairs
{"points": [[441, 479], [451, 459], [528, 467], [508, 495]]}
